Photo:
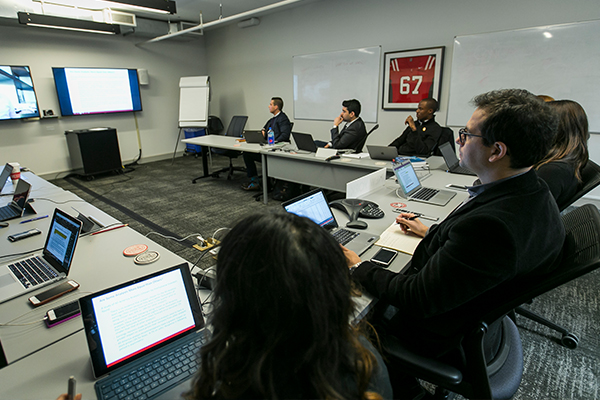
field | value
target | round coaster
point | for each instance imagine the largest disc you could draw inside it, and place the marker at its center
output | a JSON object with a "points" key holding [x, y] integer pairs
{"points": [[147, 257], [135, 250], [397, 205]]}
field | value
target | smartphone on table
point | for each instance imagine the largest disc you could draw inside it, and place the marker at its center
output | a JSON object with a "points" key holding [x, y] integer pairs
{"points": [[53, 293], [384, 257], [62, 313]]}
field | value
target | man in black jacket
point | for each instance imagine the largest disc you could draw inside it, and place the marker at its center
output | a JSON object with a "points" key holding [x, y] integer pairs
{"points": [[509, 227], [353, 132], [420, 136], [280, 123]]}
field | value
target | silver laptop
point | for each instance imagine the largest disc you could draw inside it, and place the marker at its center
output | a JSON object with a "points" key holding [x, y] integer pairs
{"points": [[387, 153], [145, 335], [51, 265], [313, 205], [452, 161], [4, 175], [16, 207], [411, 186]]}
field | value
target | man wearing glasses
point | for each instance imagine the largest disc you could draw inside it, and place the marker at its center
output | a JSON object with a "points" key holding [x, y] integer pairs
{"points": [[508, 227]]}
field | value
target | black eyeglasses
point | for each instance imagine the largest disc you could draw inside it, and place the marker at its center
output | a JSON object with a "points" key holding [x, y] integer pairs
{"points": [[462, 135]]}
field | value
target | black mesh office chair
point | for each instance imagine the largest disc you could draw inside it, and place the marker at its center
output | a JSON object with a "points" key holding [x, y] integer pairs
{"points": [[447, 135], [361, 144], [590, 176], [235, 129], [500, 378]]}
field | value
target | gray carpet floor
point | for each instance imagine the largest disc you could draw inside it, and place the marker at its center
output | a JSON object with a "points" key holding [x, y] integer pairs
{"points": [[159, 197]]}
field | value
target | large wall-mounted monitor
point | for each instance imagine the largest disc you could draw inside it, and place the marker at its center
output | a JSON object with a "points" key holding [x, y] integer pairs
{"points": [[17, 95], [83, 91]]}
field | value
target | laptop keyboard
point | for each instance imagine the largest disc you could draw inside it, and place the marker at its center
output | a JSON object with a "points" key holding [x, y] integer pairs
{"points": [[32, 271], [155, 376], [343, 236], [425, 194], [8, 212]]}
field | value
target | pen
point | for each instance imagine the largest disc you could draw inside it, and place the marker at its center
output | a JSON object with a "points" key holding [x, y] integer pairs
{"points": [[33, 219], [110, 229], [417, 215], [71, 390]]}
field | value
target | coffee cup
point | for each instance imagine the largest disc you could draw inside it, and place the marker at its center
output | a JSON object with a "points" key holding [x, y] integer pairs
{"points": [[15, 175]]}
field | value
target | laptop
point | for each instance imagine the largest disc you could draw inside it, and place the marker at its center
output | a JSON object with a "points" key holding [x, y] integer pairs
{"points": [[313, 205], [51, 265], [144, 335], [386, 153], [16, 207], [4, 175], [255, 137], [411, 186], [304, 141], [452, 161]]}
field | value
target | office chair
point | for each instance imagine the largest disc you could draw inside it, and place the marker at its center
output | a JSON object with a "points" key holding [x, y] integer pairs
{"points": [[235, 129], [361, 144], [590, 176], [447, 135], [500, 378]]}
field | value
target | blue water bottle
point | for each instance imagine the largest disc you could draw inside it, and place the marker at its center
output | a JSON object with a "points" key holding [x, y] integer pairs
{"points": [[271, 137]]}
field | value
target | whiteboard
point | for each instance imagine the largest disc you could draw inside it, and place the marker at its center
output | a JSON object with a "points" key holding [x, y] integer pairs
{"points": [[193, 101], [322, 81], [562, 61]]}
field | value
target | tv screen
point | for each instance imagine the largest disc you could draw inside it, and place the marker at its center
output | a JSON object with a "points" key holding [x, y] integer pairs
{"points": [[84, 91], [17, 95]]}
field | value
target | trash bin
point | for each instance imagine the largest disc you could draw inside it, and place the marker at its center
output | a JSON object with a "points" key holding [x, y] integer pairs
{"points": [[191, 133]]}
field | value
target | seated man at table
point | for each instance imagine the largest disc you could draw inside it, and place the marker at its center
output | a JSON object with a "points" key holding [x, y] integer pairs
{"points": [[353, 132], [282, 128], [508, 227], [420, 136]]}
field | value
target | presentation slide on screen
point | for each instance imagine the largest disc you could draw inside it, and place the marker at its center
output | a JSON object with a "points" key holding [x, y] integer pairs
{"points": [[137, 317], [99, 90], [406, 177]]}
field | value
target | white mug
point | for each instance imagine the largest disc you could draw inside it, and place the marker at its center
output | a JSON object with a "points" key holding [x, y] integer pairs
{"points": [[16, 172]]}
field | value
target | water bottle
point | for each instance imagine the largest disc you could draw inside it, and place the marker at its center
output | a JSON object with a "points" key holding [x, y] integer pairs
{"points": [[271, 137]]}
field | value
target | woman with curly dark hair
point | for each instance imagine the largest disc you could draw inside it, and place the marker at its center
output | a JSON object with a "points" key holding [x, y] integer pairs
{"points": [[281, 319]]}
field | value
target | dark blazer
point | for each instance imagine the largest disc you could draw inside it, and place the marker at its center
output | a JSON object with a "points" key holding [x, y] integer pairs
{"points": [[478, 252], [281, 127], [420, 142], [350, 137]]}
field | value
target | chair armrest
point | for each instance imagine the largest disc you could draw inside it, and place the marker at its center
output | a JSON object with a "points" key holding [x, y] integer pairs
{"points": [[420, 366]]}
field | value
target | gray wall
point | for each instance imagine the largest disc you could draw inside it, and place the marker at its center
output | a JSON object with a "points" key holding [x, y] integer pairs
{"points": [[248, 66], [41, 145]]}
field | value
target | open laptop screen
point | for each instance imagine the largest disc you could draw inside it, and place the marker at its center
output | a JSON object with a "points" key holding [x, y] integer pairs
{"points": [[406, 175], [128, 321], [312, 205], [61, 240]]}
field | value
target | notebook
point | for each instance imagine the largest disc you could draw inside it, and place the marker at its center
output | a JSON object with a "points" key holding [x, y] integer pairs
{"points": [[386, 153], [51, 265], [452, 161], [411, 186], [16, 207], [255, 137], [145, 335], [4, 177], [304, 141], [313, 205]]}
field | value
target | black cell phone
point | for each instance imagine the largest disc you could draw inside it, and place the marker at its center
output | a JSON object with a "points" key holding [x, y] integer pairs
{"points": [[24, 235], [384, 257], [53, 293], [62, 313]]}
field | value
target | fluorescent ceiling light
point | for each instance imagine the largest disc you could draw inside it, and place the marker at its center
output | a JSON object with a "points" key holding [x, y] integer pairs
{"points": [[70, 24], [156, 6]]}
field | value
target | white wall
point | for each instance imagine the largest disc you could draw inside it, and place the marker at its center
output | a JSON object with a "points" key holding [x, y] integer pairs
{"points": [[41, 145], [249, 66]]}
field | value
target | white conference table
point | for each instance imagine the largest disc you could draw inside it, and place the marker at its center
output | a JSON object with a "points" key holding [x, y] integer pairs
{"points": [[41, 359]]}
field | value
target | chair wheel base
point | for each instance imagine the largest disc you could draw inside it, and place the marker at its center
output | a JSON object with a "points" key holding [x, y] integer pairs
{"points": [[569, 340]]}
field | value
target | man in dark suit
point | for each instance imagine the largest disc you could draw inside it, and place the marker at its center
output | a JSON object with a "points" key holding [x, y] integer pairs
{"points": [[509, 227], [353, 132], [282, 128], [420, 136]]}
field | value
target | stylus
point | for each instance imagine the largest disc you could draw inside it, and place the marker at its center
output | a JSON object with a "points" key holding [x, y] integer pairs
{"points": [[71, 389]]}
